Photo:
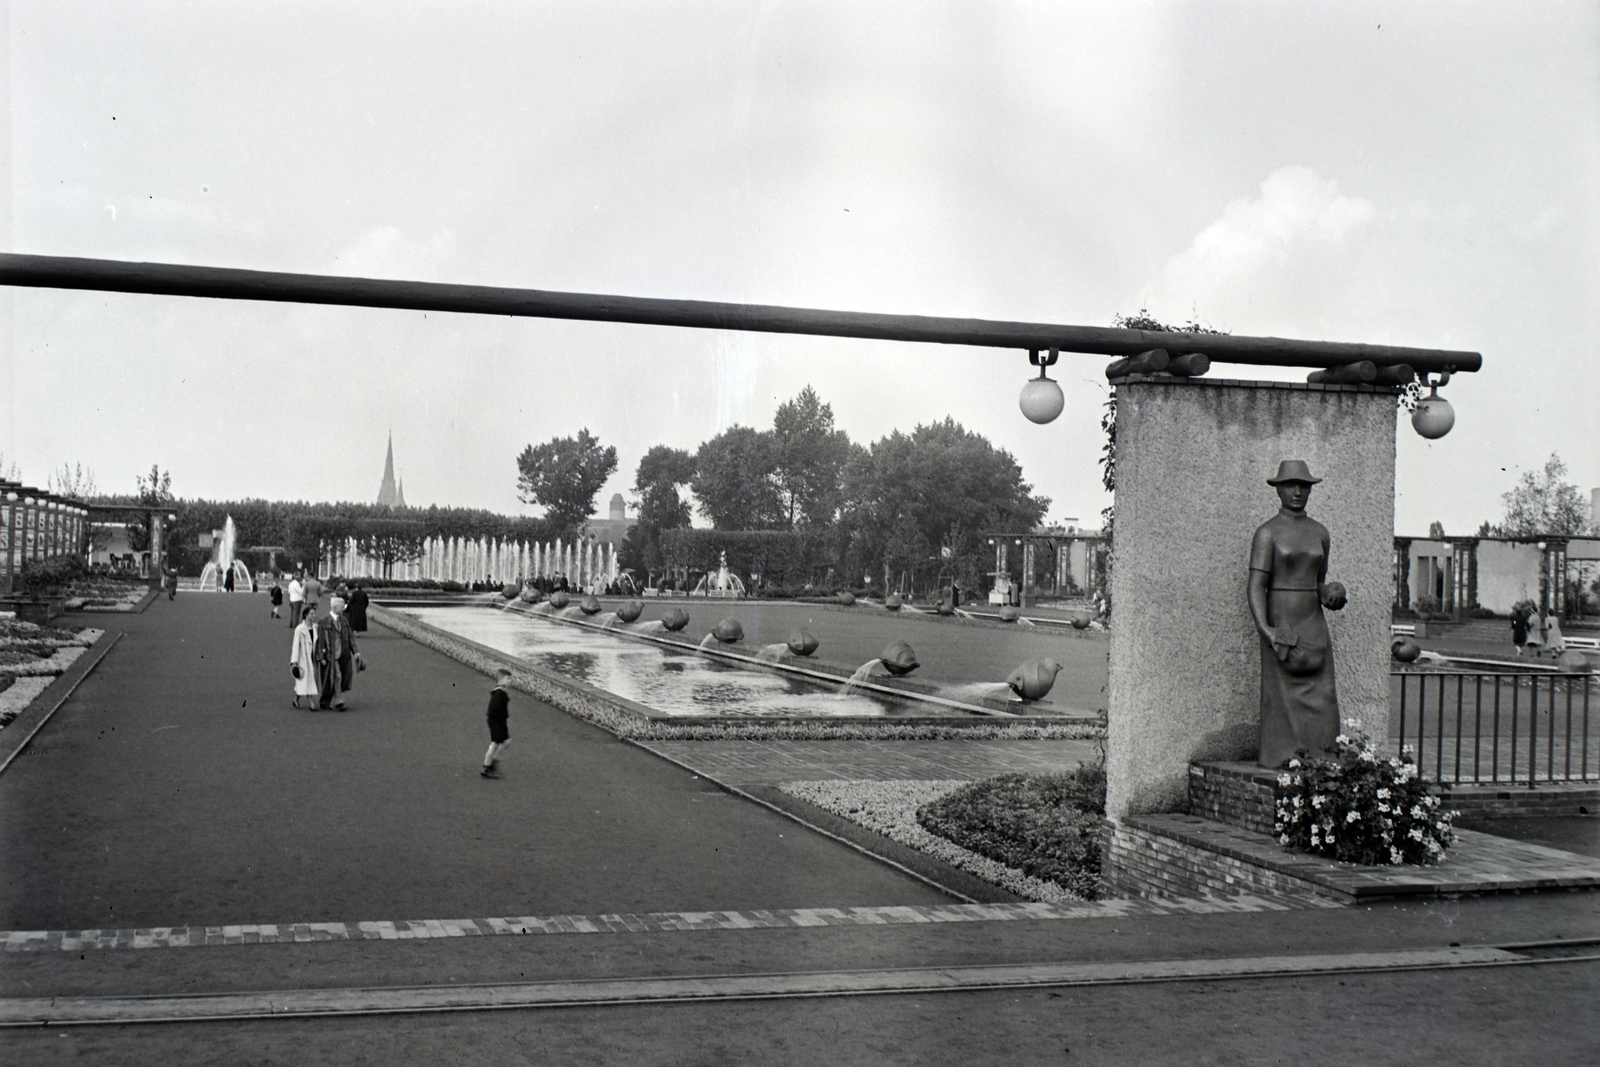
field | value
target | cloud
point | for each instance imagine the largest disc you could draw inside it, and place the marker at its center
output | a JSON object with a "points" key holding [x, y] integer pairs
{"points": [[1301, 220]]}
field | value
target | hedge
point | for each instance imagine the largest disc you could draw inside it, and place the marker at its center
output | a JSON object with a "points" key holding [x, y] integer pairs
{"points": [[1047, 825]]}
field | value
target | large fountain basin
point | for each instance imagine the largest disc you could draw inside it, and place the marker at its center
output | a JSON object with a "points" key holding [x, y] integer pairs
{"points": [[672, 675], [670, 680]]}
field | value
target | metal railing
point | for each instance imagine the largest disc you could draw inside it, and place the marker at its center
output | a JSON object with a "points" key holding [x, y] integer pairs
{"points": [[1521, 728]]}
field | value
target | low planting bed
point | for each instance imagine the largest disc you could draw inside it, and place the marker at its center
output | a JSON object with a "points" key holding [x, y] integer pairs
{"points": [[1046, 825], [97, 593], [1036, 835], [31, 657]]}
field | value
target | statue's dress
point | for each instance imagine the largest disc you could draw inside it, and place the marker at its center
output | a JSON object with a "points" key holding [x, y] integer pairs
{"points": [[1299, 706]]}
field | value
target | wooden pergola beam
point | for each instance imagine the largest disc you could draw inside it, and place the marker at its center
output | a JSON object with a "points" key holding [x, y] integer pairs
{"points": [[225, 283]]}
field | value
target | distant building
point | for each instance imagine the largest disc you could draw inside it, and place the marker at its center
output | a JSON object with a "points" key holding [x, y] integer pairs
{"points": [[611, 531], [391, 494], [1464, 575]]}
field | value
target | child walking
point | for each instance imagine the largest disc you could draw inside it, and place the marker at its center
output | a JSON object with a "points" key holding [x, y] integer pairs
{"points": [[277, 598], [499, 714]]}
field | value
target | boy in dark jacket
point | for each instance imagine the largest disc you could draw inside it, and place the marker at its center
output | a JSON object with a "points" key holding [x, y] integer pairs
{"points": [[499, 714]]}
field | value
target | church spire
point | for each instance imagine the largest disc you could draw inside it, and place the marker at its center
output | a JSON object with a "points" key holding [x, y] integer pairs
{"points": [[388, 495]]}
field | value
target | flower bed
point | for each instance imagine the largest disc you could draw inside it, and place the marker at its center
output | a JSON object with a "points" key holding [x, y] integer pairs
{"points": [[1046, 825], [105, 594], [17, 693], [890, 808], [30, 659], [1358, 807]]}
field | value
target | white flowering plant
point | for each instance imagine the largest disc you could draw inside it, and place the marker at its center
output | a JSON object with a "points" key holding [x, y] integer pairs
{"points": [[1359, 807]]}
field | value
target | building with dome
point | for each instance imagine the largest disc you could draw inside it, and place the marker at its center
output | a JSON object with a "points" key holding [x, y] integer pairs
{"points": [[611, 530]]}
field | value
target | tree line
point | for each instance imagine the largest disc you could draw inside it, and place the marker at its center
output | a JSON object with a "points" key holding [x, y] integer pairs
{"points": [[306, 534], [800, 503]]}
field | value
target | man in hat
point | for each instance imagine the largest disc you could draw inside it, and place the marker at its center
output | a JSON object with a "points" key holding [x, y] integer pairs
{"points": [[335, 655]]}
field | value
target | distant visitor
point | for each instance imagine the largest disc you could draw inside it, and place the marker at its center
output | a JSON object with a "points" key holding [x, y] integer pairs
{"points": [[499, 723]]}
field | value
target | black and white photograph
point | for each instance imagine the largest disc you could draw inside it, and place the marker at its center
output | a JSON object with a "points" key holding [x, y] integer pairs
{"points": [[728, 532]]}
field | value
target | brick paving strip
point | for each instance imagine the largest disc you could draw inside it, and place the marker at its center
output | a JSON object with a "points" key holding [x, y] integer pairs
{"points": [[302, 1003], [653, 922]]}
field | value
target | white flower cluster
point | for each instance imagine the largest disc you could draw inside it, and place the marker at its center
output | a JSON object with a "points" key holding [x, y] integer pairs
{"points": [[1358, 807]]}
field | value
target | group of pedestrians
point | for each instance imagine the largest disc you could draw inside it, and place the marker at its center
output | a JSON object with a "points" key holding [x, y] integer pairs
{"points": [[324, 661], [323, 658], [1535, 632]]}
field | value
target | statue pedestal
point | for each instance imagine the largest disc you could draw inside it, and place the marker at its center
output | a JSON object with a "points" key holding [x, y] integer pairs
{"points": [[1193, 459]]}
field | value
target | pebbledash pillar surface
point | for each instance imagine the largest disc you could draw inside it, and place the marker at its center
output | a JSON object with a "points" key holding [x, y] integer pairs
{"points": [[1192, 462]]}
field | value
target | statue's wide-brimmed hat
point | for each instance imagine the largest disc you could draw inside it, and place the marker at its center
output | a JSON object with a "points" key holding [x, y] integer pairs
{"points": [[1293, 470]]}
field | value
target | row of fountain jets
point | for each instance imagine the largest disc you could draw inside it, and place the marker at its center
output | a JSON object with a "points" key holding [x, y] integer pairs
{"points": [[1030, 681]]}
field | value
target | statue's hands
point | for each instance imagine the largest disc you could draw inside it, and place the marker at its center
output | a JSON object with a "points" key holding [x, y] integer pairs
{"points": [[1283, 640], [1333, 595]]}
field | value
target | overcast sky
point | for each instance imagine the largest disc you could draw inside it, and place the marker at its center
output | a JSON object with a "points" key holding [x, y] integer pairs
{"points": [[1408, 173]]}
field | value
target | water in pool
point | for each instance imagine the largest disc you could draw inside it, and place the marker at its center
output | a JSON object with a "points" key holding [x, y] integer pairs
{"points": [[672, 682]]}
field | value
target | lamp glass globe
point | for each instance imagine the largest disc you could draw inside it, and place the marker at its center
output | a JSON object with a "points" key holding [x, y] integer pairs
{"points": [[1042, 400], [1433, 418]]}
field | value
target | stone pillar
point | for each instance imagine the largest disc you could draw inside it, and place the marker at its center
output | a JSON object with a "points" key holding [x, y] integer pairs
{"points": [[10, 505], [1193, 459], [157, 549]]}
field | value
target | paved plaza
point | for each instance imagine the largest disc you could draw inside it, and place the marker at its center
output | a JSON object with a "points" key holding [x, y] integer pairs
{"points": [[178, 828]]}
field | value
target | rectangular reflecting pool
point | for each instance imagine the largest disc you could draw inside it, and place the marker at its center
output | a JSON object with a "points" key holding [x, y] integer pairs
{"points": [[670, 680]]}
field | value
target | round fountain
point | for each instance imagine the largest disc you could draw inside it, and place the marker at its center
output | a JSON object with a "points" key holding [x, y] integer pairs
{"points": [[728, 631], [629, 610], [223, 562], [893, 602], [589, 605], [675, 619], [846, 598], [721, 582]]}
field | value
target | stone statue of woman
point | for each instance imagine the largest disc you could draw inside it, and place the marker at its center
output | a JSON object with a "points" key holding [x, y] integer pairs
{"points": [[1288, 590]]}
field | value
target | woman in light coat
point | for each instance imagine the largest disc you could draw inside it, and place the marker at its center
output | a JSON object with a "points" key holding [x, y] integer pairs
{"points": [[1554, 639], [302, 661]]}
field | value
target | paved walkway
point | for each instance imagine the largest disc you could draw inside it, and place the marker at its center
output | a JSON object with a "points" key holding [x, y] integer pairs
{"points": [[178, 787]]}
